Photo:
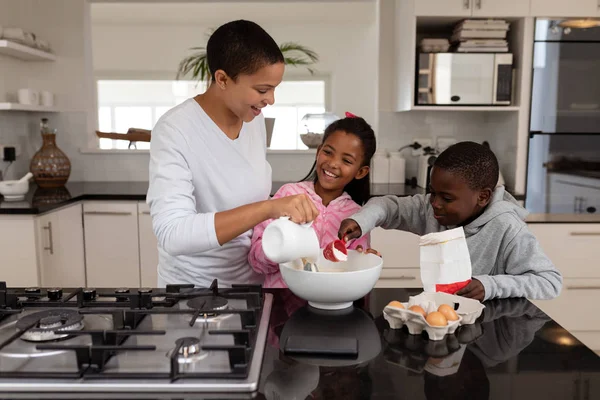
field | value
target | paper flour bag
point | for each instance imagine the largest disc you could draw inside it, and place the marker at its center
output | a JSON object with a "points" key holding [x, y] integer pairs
{"points": [[445, 261]]}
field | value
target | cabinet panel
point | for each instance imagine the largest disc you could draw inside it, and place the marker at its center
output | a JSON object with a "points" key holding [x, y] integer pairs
{"points": [[19, 264], [499, 8], [111, 244], [448, 8], [61, 248], [573, 248], [148, 247], [399, 249]]}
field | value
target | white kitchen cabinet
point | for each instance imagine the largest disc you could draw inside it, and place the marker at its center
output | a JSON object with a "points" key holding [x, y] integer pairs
{"points": [[573, 248], [500, 8], [562, 8], [401, 259], [60, 248], [148, 247], [18, 258], [111, 244], [458, 8], [472, 8]]}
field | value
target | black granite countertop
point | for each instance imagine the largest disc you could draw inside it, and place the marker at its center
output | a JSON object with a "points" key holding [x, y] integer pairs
{"points": [[38, 200], [514, 351]]}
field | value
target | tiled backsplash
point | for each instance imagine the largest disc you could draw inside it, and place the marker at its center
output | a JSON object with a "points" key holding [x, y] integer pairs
{"points": [[395, 130]]}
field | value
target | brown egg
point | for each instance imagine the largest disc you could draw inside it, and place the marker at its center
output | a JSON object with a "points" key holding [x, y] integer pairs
{"points": [[436, 318], [418, 309], [448, 312], [396, 304]]}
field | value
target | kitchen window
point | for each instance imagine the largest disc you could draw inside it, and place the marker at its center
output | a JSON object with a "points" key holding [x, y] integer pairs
{"points": [[124, 104]]}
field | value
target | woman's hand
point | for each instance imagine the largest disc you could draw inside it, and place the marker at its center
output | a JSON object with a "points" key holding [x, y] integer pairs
{"points": [[299, 208], [349, 229]]}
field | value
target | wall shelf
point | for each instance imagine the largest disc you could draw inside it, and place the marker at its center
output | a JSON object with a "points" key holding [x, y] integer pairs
{"points": [[26, 107], [23, 52]]}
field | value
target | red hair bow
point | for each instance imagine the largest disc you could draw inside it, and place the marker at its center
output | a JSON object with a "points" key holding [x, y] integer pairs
{"points": [[350, 115]]}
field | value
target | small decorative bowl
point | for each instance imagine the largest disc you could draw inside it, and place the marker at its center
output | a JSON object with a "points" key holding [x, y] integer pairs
{"points": [[14, 190], [312, 140]]}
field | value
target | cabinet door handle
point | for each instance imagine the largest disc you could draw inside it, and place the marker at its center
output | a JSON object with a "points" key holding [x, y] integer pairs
{"points": [[584, 233], [407, 278], [583, 287], [586, 389], [478, 4], [50, 241], [107, 213], [145, 213], [466, 4]]}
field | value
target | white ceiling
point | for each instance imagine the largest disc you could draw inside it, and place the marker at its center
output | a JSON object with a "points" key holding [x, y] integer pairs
{"points": [[134, 12]]}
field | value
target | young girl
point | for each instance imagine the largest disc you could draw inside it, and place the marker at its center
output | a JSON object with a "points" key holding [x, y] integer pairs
{"points": [[338, 184]]}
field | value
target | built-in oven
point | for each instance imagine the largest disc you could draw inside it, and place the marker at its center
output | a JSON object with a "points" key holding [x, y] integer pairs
{"points": [[563, 171], [464, 79]]}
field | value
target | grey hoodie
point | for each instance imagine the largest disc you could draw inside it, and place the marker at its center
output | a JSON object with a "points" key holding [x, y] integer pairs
{"points": [[505, 256]]}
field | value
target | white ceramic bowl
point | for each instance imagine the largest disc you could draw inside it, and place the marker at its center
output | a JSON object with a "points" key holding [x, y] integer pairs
{"points": [[334, 290], [14, 190]]}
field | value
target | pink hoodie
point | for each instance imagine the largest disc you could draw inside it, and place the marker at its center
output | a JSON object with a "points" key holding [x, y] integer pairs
{"points": [[326, 225]]}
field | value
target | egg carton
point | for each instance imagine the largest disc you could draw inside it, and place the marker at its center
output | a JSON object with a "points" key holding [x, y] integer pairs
{"points": [[466, 308], [415, 322]]}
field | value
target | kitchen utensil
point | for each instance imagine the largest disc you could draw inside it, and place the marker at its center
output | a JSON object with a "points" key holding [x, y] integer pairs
{"points": [[309, 266], [336, 251], [14, 190], [26, 178], [337, 284], [285, 241]]}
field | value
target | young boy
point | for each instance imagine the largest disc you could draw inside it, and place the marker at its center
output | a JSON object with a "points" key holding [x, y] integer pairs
{"points": [[506, 258]]}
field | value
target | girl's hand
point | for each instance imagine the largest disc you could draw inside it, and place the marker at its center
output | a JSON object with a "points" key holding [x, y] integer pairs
{"points": [[299, 208], [360, 249], [349, 229]]}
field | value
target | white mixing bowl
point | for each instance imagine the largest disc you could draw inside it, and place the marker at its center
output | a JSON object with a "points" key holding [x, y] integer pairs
{"points": [[334, 290]]}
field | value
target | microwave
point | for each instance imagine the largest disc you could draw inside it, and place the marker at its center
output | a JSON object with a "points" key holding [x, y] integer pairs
{"points": [[464, 79]]}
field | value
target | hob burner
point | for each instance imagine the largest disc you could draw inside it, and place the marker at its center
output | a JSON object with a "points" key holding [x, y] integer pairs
{"points": [[208, 303], [46, 322], [190, 350], [189, 346]]}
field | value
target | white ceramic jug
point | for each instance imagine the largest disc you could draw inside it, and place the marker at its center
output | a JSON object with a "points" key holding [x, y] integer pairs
{"points": [[284, 241]]}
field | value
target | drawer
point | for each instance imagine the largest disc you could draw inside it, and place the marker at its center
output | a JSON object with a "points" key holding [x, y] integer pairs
{"points": [[579, 297], [106, 208], [573, 248], [400, 278], [399, 249]]}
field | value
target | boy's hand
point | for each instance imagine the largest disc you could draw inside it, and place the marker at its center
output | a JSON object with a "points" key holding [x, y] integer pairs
{"points": [[349, 230], [360, 249], [474, 290]]}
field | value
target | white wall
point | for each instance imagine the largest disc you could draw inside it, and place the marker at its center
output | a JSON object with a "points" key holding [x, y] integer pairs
{"points": [[151, 39]]}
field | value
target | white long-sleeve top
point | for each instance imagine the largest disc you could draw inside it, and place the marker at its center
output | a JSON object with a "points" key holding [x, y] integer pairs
{"points": [[195, 172]]}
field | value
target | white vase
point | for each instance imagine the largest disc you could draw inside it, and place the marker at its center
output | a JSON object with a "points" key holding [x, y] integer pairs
{"points": [[269, 124]]}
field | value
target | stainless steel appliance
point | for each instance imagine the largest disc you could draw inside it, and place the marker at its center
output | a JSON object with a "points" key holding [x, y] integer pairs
{"points": [[464, 79], [178, 342], [563, 175]]}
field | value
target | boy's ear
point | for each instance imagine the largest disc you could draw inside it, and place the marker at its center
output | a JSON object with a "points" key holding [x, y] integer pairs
{"points": [[485, 196], [362, 172]]}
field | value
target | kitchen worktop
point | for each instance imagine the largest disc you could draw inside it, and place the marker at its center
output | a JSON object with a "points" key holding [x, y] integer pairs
{"points": [[514, 351], [38, 200]]}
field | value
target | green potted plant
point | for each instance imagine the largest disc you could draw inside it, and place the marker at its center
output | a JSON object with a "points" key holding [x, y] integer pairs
{"points": [[195, 66]]}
